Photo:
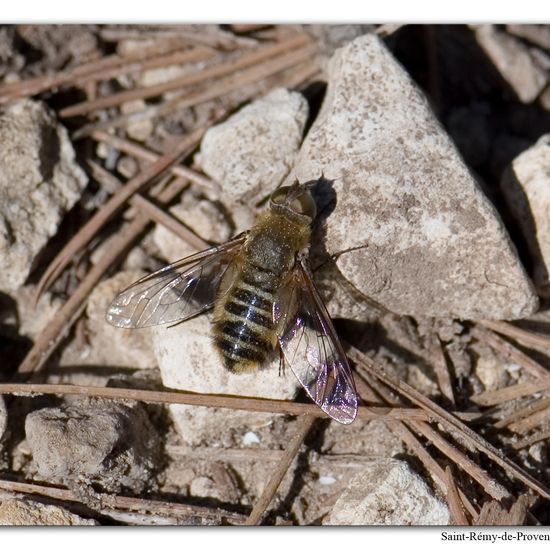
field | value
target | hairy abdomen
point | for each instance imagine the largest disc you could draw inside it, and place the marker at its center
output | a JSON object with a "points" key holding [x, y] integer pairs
{"points": [[244, 332]]}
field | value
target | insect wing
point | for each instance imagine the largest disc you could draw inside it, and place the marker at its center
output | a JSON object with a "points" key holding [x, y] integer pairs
{"points": [[311, 347], [176, 292]]}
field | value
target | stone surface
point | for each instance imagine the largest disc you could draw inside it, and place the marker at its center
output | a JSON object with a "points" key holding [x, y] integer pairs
{"points": [[526, 186], [387, 492], [28, 512], [202, 216], [39, 182], [537, 34], [139, 129], [188, 361], [421, 237], [110, 444], [513, 61], [256, 147], [109, 345]]}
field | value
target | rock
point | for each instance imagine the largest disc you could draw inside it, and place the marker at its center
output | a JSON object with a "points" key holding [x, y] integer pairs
{"points": [[526, 186], [202, 216], [387, 492], [537, 34], [108, 444], [513, 61], [39, 182], [28, 512], [422, 238], [109, 345], [139, 129], [188, 361], [257, 146]]}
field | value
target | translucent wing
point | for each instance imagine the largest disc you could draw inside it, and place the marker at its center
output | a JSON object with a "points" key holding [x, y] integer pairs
{"points": [[312, 349], [176, 292]]}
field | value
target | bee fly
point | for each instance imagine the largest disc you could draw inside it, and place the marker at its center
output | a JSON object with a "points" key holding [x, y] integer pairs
{"points": [[263, 295]]}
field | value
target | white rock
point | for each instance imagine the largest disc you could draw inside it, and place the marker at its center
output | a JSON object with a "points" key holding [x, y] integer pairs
{"points": [[39, 182], [537, 34], [203, 217], [526, 186], [257, 146], [111, 345], [188, 361], [387, 492], [28, 512], [111, 444], [423, 239], [513, 61], [139, 129]]}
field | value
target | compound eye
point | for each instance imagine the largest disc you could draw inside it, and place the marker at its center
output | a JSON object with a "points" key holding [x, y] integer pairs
{"points": [[296, 198], [280, 195], [304, 204]]}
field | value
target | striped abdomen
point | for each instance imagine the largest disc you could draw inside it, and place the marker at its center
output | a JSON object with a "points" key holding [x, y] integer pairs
{"points": [[243, 327]]}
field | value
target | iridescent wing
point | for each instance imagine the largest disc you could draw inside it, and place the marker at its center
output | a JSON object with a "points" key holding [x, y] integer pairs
{"points": [[176, 292], [311, 347]]}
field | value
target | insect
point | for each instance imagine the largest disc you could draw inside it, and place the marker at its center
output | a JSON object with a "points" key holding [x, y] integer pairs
{"points": [[260, 287]]}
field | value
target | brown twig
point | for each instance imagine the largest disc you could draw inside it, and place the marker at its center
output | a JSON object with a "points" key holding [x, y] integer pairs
{"points": [[531, 440], [53, 334], [441, 369], [534, 340], [531, 422], [197, 77], [255, 404], [494, 513], [154, 213], [404, 432], [138, 151], [495, 397], [487, 483], [138, 183], [304, 425], [213, 38], [510, 352], [106, 67], [159, 507], [523, 412], [223, 87], [455, 427], [453, 500]]}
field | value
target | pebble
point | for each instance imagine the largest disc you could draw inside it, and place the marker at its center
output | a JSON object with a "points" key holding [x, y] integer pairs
{"points": [[109, 444], [526, 186], [387, 492], [39, 182], [413, 228], [255, 148]]}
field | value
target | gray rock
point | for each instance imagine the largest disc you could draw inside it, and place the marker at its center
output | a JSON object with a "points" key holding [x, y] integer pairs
{"points": [[202, 216], [537, 34], [188, 361], [421, 237], [514, 62], [28, 512], [39, 182], [387, 492], [110, 444], [526, 186], [256, 146], [107, 344]]}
